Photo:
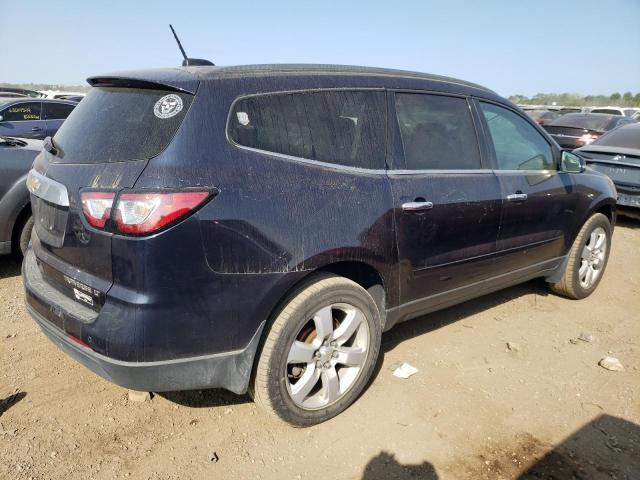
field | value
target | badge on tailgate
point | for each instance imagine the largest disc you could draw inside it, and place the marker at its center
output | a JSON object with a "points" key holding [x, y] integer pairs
{"points": [[82, 292]]}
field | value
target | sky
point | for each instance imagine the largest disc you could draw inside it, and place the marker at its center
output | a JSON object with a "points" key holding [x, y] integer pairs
{"points": [[510, 46]]}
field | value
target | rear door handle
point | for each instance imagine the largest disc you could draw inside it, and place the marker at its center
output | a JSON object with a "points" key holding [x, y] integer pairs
{"points": [[517, 197], [36, 129], [416, 206]]}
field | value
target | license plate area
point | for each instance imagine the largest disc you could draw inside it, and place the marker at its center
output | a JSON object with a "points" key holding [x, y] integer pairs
{"points": [[50, 221], [629, 200], [81, 292]]}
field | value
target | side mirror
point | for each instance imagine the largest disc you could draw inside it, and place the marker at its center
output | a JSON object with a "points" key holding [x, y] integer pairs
{"points": [[572, 163]]}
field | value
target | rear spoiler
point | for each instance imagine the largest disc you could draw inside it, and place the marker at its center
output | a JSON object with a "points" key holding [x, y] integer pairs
{"points": [[171, 83]]}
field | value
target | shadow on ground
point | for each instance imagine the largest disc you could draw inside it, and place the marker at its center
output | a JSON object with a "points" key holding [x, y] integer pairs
{"points": [[9, 266], [10, 401], [607, 447], [205, 398], [385, 466], [628, 217]]}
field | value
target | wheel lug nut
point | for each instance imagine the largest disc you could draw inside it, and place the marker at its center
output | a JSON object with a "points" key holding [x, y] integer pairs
{"points": [[334, 354], [333, 344]]}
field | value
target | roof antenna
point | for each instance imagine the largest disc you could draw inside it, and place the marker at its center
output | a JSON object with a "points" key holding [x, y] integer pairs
{"points": [[189, 62]]}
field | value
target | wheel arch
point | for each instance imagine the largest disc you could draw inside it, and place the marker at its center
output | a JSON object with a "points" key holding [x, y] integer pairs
{"points": [[362, 273]]}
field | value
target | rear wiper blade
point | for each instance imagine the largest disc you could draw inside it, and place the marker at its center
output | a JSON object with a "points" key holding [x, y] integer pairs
{"points": [[50, 146]]}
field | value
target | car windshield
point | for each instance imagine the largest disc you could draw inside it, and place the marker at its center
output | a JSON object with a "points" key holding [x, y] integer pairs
{"points": [[587, 121], [624, 137]]}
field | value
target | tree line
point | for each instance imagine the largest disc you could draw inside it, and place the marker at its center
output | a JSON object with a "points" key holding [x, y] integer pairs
{"points": [[626, 99]]}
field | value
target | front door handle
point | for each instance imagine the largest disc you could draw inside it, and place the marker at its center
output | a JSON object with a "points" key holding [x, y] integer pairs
{"points": [[36, 129], [517, 197], [416, 206]]}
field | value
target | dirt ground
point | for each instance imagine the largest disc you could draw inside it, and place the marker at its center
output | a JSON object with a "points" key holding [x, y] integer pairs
{"points": [[475, 410]]}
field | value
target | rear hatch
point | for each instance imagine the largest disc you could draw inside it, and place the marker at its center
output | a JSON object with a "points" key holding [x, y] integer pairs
{"points": [[105, 144]]}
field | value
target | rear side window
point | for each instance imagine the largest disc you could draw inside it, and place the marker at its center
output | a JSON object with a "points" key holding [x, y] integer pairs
{"points": [[56, 111], [342, 127], [518, 145], [121, 124], [21, 112], [437, 132]]}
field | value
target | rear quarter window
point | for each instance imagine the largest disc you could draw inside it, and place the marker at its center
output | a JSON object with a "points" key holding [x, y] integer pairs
{"points": [[343, 127]]}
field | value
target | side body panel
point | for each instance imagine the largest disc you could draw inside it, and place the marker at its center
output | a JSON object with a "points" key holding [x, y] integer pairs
{"points": [[15, 162]]}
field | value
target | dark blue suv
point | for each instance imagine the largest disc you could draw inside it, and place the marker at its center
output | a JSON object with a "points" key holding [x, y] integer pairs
{"points": [[258, 228]]}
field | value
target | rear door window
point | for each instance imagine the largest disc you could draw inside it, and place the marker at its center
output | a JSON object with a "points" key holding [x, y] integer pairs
{"points": [[437, 132], [22, 112], [344, 127], [114, 124], [517, 144], [56, 111]]}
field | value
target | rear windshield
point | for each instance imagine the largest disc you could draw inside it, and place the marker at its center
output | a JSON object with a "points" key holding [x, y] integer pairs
{"points": [[590, 122], [625, 137], [121, 124]]}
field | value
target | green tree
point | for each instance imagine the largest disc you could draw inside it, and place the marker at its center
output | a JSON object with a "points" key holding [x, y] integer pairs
{"points": [[615, 97], [636, 100], [627, 98]]}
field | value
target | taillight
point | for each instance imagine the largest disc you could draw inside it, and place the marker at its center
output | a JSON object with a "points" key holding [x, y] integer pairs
{"points": [[96, 207], [139, 213], [586, 139]]}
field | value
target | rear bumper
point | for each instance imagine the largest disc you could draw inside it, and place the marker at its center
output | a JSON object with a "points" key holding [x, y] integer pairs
{"points": [[229, 370]]}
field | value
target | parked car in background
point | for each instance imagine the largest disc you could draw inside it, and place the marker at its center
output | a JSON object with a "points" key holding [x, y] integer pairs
{"points": [[575, 130], [11, 92], [563, 110], [16, 158], [542, 117], [61, 94], [258, 227], [626, 111], [33, 118], [617, 155]]}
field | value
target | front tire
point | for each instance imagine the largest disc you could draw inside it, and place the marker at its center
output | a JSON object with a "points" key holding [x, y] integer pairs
{"points": [[24, 235], [587, 259], [319, 352]]}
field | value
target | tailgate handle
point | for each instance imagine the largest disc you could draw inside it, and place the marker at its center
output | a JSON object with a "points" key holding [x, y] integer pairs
{"points": [[517, 197], [416, 206]]}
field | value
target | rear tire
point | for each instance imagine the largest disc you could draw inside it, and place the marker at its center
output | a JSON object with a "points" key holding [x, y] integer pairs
{"points": [[300, 376], [587, 260]]}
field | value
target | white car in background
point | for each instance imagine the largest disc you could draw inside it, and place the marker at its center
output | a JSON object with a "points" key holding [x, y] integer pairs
{"points": [[62, 95], [626, 111]]}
